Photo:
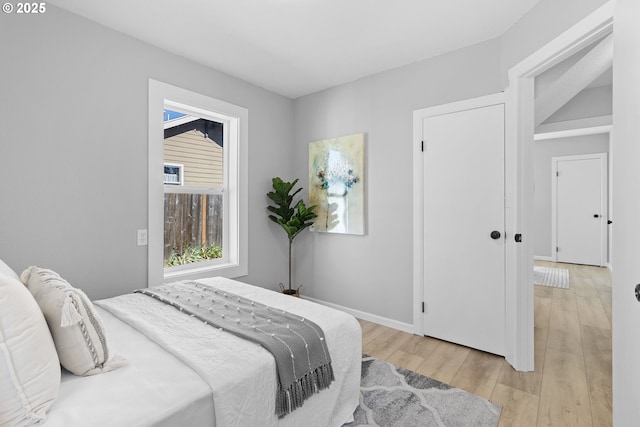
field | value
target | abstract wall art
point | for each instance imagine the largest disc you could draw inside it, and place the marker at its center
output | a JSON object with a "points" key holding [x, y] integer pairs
{"points": [[336, 184]]}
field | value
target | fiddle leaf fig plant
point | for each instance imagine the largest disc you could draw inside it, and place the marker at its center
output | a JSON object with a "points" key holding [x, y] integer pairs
{"points": [[293, 218]]}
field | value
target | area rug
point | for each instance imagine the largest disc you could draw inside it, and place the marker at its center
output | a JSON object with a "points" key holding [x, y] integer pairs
{"points": [[548, 276], [393, 396]]}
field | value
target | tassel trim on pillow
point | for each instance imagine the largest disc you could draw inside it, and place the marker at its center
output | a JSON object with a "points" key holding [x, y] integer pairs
{"points": [[69, 314]]}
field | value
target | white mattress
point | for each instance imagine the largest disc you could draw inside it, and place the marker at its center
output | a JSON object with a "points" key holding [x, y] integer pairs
{"points": [[155, 389], [185, 373]]}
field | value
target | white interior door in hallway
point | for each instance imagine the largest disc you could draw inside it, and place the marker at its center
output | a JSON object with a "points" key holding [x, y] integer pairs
{"points": [[464, 246], [579, 206]]}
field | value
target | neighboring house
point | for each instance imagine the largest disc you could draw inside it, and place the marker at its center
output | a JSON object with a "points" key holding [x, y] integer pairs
{"points": [[196, 146]]}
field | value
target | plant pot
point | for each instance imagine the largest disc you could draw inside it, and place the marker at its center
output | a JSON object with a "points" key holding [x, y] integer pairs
{"points": [[292, 292]]}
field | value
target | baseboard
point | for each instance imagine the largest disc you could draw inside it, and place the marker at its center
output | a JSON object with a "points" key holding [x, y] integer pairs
{"points": [[543, 258], [389, 323]]}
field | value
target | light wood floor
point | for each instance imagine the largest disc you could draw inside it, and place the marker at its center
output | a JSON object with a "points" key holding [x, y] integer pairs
{"points": [[571, 384]]}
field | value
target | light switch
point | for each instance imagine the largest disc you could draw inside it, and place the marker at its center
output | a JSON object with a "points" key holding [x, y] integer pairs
{"points": [[142, 237]]}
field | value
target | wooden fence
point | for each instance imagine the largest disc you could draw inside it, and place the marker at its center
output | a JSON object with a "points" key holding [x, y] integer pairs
{"points": [[191, 220]]}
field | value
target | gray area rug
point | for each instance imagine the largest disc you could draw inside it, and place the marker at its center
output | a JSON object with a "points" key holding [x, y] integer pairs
{"points": [[393, 396], [548, 276]]}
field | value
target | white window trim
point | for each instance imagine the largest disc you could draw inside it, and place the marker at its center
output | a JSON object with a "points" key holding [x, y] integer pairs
{"points": [[236, 128], [180, 175]]}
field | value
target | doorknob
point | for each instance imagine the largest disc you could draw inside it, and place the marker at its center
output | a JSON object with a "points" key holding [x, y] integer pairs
{"points": [[596, 216], [495, 234]]}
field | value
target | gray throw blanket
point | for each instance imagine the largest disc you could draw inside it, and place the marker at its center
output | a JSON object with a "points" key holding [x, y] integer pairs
{"points": [[302, 358]]}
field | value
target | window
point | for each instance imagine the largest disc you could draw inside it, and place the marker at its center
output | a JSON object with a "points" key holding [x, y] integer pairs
{"points": [[194, 221], [173, 174], [198, 205]]}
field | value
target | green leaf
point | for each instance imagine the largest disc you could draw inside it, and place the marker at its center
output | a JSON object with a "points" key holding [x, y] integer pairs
{"points": [[293, 218]]}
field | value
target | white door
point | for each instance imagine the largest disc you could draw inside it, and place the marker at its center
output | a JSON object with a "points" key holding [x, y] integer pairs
{"points": [[580, 208], [464, 265]]}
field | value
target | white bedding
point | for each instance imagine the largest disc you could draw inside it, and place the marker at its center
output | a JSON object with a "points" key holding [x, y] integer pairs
{"points": [[240, 375], [155, 388]]}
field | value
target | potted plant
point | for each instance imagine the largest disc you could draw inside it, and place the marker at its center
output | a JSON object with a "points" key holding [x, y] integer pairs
{"points": [[293, 218]]}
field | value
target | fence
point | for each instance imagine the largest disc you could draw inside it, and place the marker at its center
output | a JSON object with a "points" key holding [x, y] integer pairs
{"points": [[191, 220]]}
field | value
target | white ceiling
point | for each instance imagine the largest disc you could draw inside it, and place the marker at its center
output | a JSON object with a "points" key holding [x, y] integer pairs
{"points": [[297, 47]]}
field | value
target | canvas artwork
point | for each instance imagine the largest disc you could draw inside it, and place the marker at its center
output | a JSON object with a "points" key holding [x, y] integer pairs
{"points": [[336, 184]]}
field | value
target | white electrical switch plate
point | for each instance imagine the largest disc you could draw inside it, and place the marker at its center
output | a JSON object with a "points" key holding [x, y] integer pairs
{"points": [[142, 238]]}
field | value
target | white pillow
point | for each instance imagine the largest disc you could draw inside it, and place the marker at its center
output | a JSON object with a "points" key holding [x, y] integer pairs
{"points": [[75, 325], [7, 271], [29, 365]]}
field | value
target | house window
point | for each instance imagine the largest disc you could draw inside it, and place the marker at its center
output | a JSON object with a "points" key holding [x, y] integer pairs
{"points": [[173, 174], [197, 207]]}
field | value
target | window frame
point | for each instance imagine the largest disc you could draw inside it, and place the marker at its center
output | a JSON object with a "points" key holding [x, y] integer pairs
{"points": [[235, 235], [180, 181]]}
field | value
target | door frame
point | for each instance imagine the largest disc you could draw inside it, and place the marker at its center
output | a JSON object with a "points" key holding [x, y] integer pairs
{"points": [[519, 107], [519, 175], [604, 174], [418, 191]]}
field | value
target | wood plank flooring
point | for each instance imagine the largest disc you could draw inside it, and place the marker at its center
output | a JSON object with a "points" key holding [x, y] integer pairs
{"points": [[571, 384]]}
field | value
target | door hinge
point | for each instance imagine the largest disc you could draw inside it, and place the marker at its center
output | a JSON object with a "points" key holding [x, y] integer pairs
{"points": [[423, 306], [422, 147], [557, 173], [557, 249]]}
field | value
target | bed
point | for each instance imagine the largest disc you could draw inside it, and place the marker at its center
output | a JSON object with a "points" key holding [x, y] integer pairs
{"points": [[181, 371]]}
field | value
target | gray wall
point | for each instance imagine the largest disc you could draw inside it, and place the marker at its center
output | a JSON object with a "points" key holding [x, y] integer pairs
{"points": [[73, 149], [543, 151], [373, 273], [591, 102]]}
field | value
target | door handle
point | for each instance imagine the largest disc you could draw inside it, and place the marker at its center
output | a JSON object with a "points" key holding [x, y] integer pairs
{"points": [[495, 234], [596, 216]]}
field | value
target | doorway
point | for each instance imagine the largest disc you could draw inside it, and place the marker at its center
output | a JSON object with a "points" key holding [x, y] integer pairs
{"points": [[520, 130]]}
